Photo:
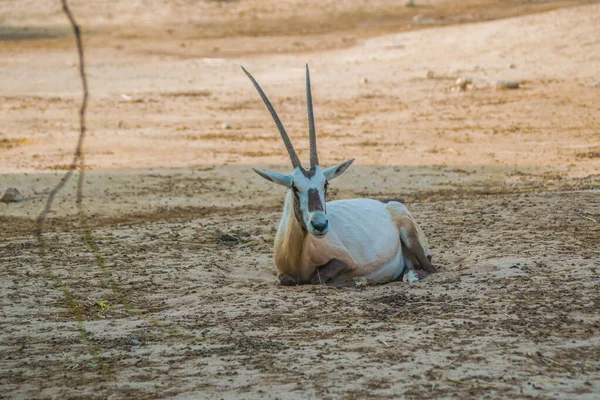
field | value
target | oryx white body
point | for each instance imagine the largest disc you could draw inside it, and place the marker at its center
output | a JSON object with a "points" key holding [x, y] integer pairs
{"points": [[333, 242], [363, 233]]}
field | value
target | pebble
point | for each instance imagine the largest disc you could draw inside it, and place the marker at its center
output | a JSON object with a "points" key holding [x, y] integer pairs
{"points": [[409, 3], [430, 74], [595, 84], [11, 195], [365, 80], [507, 84], [134, 342], [462, 83], [226, 125]]}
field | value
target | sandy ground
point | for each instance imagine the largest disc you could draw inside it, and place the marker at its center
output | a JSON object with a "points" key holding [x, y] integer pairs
{"points": [[171, 293]]}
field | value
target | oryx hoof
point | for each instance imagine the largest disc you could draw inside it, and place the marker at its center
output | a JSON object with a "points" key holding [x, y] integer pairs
{"points": [[425, 272], [410, 276], [286, 280]]}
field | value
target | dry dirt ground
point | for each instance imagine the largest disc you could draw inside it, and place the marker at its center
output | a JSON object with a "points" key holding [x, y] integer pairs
{"points": [[170, 293]]}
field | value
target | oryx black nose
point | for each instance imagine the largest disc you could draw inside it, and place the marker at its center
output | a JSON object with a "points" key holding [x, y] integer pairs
{"points": [[320, 226]]}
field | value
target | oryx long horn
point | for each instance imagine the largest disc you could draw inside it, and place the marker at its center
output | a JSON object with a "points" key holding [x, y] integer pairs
{"points": [[286, 140], [312, 138]]}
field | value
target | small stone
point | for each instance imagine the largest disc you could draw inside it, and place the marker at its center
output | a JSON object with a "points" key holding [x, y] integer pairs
{"points": [[512, 66], [409, 3], [507, 85], [365, 80], [226, 125], [595, 84], [125, 97], [430, 74], [11, 195], [133, 342], [462, 83]]}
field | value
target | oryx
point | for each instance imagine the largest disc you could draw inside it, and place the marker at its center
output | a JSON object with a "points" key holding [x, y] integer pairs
{"points": [[339, 241]]}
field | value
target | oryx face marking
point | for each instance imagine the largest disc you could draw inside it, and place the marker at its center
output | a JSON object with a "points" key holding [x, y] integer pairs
{"points": [[309, 186], [310, 191]]}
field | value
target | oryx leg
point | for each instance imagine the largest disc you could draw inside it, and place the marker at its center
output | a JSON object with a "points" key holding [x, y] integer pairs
{"points": [[414, 243], [410, 275], [328, 272]]}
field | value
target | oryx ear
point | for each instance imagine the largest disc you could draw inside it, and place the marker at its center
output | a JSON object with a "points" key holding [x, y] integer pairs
{"points": [[337, 170], [275, 177]]}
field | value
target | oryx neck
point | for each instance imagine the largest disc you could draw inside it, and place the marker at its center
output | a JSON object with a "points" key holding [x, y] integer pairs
{"points": [[290, 239]]}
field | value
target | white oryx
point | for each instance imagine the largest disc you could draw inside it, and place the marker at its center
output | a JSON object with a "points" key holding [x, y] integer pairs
{"points": [[339, 241]]}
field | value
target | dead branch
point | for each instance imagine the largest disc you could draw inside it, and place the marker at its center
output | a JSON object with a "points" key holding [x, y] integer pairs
{"points": [[78, 161], [78, 158], [79, 164]]}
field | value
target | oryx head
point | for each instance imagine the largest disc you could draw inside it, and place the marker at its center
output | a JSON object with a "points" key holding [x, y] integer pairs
{"points": [[309, 186]]}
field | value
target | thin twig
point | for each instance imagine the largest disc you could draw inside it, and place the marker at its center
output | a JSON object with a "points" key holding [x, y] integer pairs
{"points": [[479, 384], [79, 149], [78, 163], [583, 216], [74, 306], [547, 360], [455, 381], [555, 362]]}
